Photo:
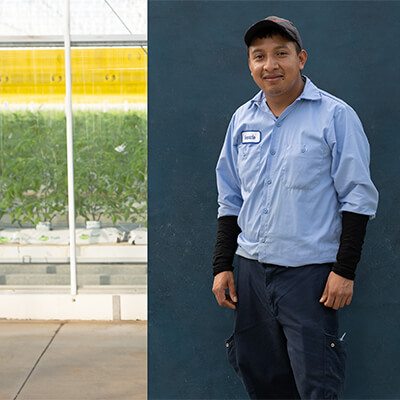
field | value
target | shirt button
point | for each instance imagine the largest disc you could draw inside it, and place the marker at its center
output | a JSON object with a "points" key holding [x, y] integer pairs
{"points": [[332, 345], [269, 181], [278, 124], [265, 211], [227, 344], [273, 152], [263, 240]]}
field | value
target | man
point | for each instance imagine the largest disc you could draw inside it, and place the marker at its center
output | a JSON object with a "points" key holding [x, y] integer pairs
{"points": [[295, 196]]}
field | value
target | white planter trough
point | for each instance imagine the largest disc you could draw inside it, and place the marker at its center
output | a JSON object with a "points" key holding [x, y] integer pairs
{"points": [[43, 226], [93, 224]]}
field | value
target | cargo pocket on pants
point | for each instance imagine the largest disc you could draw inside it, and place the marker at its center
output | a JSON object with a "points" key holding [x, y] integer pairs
{"points": [[334, 360], [231, 353]]}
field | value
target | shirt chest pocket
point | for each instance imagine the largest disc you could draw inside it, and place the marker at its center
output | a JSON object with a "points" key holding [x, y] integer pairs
{"points": [[302, 166], [249, 163]]}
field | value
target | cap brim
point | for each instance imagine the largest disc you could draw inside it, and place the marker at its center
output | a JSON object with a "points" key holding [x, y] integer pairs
{"points": [[259, 26]]}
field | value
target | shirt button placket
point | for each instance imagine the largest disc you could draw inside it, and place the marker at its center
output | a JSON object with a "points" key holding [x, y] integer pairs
{"points": [[265, 211]]}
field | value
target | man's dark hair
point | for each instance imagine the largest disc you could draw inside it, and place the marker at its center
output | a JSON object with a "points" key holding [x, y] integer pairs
{"points": [[272, 31]]}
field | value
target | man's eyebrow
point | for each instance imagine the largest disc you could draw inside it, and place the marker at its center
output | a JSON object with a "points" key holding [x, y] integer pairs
{"points": [[255, 49], [259, 49]]}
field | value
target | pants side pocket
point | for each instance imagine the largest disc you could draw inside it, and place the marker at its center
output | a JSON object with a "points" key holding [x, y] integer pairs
{"points": [[334, 363], [231, 353]]}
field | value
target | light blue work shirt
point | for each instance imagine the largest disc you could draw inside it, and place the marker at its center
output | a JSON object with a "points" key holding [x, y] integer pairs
{"points": [[289, 178]]}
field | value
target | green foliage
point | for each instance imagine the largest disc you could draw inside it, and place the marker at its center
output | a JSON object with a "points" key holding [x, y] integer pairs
{"points": [[33, 165]]}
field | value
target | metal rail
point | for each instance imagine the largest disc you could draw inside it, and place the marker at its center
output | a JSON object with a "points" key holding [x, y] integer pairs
{"points": [[75, 40], [70, 154]]}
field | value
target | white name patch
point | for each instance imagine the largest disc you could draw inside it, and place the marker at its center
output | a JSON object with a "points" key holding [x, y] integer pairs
{"points": [[251, 137]]}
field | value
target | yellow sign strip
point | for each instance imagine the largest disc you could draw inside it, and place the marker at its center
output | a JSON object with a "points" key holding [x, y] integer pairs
{"points": [[114, 75]]}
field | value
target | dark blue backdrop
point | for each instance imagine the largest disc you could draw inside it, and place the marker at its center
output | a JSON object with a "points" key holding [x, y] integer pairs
{"points": [[198, 76]]}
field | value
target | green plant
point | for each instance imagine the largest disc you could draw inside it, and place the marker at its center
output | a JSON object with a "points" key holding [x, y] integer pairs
{"points": [[32, 172], [110, 165]]}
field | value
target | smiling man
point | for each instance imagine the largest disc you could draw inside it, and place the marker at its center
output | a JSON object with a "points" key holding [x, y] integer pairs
{"points": [[295, 196]]}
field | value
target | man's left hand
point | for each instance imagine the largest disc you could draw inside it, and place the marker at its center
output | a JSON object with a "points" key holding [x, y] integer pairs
{"points": [[338, 291]]}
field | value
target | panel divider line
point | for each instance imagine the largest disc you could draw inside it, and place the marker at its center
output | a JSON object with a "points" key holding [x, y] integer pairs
{"points": [[38, 360]]}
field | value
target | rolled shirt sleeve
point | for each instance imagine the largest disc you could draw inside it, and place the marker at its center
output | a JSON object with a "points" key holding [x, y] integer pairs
{"points": [[229, 194], [350, 165]]}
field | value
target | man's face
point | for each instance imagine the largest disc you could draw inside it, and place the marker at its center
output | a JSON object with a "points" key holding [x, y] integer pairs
{"points": [[275, 66]]}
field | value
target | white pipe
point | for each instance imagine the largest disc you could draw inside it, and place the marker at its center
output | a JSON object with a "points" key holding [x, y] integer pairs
{"points": [[70, 151]]}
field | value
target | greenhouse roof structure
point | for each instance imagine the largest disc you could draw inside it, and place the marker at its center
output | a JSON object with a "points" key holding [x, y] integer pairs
{"points": [[92, 22]]}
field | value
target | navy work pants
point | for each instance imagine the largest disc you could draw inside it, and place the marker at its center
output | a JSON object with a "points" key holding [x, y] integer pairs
{"points": [[285, 343]]}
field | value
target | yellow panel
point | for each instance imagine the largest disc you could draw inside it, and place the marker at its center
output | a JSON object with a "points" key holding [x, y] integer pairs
{"points": [[38, 75]]}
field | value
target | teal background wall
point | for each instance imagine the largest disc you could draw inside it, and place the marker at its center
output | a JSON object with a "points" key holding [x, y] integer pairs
{"points": [[198, 76]]}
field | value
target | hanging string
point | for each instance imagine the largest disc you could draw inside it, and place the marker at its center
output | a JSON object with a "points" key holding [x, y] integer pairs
{"points": [[123, 23]]}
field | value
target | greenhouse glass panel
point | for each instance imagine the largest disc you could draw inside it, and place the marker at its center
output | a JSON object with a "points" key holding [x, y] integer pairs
{"points": [[109, 94], [33, 162], [88, 17]]}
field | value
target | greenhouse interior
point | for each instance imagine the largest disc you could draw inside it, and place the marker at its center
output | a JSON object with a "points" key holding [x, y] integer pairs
{"points": [[73, 158]]}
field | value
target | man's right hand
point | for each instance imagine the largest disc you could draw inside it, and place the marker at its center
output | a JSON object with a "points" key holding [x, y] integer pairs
{"points": [[225, 280]]}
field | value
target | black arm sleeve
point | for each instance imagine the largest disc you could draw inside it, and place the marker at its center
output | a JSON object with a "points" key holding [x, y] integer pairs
{"points": [[353, 233], [225, 244]]}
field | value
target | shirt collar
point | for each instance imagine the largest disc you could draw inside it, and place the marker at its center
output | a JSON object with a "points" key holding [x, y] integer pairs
{"points": [[310, 92]]}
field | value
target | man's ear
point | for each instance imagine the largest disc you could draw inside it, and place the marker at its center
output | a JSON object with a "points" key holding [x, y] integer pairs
{"points": [[302, 58], [248, 59]]}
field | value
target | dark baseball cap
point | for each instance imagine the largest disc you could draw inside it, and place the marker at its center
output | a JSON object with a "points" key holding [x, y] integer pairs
{"points": [[273, 22]]}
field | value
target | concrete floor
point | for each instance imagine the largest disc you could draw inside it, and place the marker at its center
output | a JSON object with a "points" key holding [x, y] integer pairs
{"points": [[73, 360]]}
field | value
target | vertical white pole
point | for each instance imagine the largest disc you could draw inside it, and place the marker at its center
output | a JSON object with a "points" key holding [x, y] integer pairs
{"points": [[70, 150]]}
